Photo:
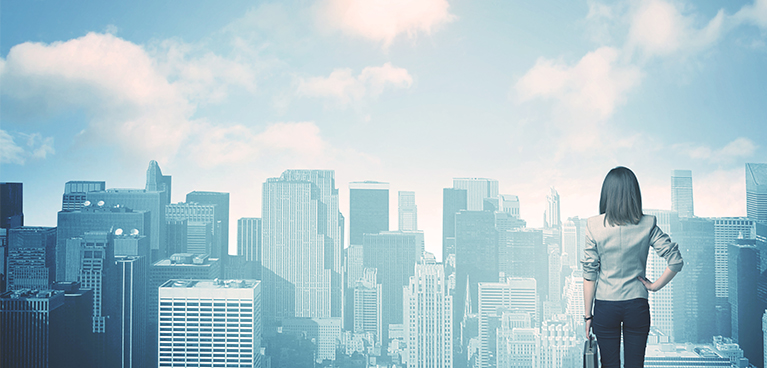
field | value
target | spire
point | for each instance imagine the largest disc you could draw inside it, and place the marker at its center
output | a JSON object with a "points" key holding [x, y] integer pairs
{"points": [[153, 177]]}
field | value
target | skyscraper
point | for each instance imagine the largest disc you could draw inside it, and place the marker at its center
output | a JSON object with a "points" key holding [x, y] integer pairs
{"points": [[368, 209], [428, 317], [75, 193], [551, 218], [453, 201], [509, 204], [525, 255], [681, 193], [302, 261], [477, 190], [11, 205], [727, 230], [235, 339], [408, 211], [153, 198], [756, 192], [476, 256], [394, 255], [126, 308], [249, 238], [662, 301], [93, 217], [746, 309], [39, 329], [693, 298], [201, 227], [220, 219], [518, 294], [31, 257], [367, 305]]}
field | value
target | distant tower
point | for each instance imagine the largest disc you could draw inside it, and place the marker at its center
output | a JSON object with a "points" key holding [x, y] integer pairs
{"points": [[477, 190], [408, 211], [302, 260], [127, 322], [453, 201], [756, 192], [198, 221], [662, 302], [746, 310], [681, 193], [429, 316], [727, 230], [496, 297], [509, 204], [552, 217], [367, 305], [220, 219], [237, 318], [31, 257], [249, 238], [368, 209], [11, 205]]}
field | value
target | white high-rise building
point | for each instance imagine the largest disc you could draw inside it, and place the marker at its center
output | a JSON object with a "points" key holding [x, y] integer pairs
{"points": [[573, 291], [513, 294], [209, 323], [509, 204], [555, 276], [408, 211], [726, 230], [302, 252], [367, 305], [428, 316], [517, 343], [570, 242], [681, 193], [552, 217], [559, 347], [477, 190], [756, 192]]}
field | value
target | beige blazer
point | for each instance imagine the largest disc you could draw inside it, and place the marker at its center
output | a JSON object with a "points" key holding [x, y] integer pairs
{"points": [[615, 255]]}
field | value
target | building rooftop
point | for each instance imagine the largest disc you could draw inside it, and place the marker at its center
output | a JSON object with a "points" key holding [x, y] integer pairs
{"points": [[30, 294], [210, 284], [671, 350]]}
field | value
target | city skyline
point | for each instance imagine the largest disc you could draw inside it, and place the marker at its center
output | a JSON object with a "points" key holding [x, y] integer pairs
{"points": [[531, 96]]}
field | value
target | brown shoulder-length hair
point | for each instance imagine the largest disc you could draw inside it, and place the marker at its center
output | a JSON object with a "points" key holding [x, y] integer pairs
{"points": [[621, 200]]}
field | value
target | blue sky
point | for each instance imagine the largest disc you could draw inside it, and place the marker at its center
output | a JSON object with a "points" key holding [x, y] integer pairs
{"points": [[414, 93]]}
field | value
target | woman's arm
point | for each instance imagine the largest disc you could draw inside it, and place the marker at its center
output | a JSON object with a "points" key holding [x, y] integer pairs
{"points": [[589, 288], [664, 279]]}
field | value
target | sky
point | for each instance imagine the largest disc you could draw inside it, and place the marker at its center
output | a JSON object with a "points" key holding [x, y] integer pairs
{"points": [[409, 92]]}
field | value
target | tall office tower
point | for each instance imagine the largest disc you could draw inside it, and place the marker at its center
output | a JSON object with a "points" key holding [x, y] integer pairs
{"points": [[249, 238], [495, 298], [756, 192], [694, 301], [43, 328], [727, 230], [179, 266], [570, 241], [408, 211], [96, 265], [79, 325], [153, 198], [476, 256], [477, 190], [31, 257], [509, 204], [681, 193], [201, 227], [355, 266], [517, 343], [552, 218], [367, 305], [220, 219], [428, 318], [662, 302], [555, 277], [11, 205], [525, 255], [302, 260], [394, 254], [746, 310], [453, 201], [232, 307], [75, 193], [560, 348], [573, 294], [126, 309], [92, 217], [368, 209]]}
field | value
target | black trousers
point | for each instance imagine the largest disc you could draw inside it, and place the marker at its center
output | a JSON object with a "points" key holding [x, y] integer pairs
{"points": [[632, 317]]}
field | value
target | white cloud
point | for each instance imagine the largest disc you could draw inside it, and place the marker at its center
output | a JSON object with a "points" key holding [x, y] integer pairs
{"points": [[383, 20], [739, 148], [343, 87], [139, 100], [37, 147], [595, 85], [755, 14]]}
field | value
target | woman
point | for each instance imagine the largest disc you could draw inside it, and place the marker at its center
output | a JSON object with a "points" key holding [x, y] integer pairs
{"points": [[614, 265]]}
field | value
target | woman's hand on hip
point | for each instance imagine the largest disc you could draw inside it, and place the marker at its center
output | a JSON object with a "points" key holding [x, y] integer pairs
{"points": [[647, 284]]}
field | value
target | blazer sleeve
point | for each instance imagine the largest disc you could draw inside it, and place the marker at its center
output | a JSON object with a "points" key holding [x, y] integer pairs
{"points": [[590, 260], [666, 249]]}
